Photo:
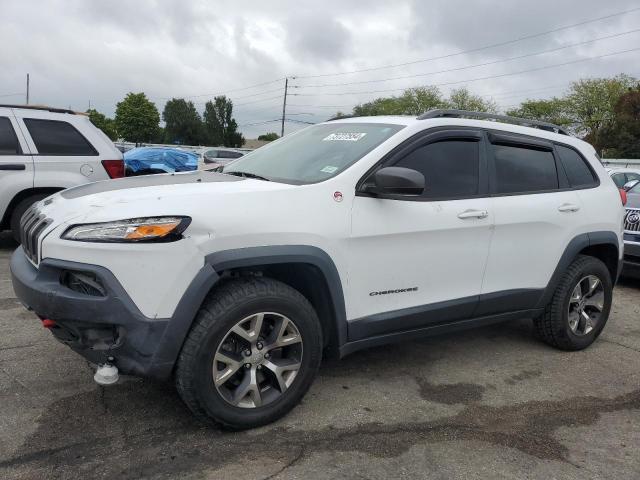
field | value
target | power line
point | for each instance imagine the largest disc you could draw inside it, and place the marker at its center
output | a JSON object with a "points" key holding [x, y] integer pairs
{"points": [[455, 69], [473, 79], [473, 50], [227, 92]]}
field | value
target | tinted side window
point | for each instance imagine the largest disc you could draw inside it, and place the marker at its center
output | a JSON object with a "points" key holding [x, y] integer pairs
{"points": [[53, 137], [450, 168], [8, 141], [578, 173], [523, 170]]}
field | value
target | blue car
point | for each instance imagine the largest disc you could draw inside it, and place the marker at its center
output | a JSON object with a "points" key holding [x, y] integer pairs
{"points": [[150, 160]]}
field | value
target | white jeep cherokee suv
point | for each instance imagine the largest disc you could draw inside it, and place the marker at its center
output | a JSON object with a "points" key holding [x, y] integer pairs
{"points": [[44, 150], [345, 235]]}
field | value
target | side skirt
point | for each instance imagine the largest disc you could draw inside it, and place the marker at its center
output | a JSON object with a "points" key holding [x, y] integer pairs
{"points": [[455, 326]]}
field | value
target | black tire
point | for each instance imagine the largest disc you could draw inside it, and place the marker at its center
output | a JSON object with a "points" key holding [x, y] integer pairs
{"points": [[226, 305], [19, 210], [553, 327]]}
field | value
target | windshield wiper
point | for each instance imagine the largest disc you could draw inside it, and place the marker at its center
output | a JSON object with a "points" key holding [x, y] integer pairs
{"points": [[247, 175]]}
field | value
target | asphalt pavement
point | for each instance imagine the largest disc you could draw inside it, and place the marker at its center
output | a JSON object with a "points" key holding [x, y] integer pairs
{"points": [[489, 403]]}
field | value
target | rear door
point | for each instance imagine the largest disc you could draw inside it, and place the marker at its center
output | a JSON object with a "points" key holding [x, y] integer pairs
{"points": [[16, 163], [537, 214]]}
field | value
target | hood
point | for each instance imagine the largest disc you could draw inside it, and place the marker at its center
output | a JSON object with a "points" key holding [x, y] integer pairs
{"points": [[633, 200], [154, 195]]}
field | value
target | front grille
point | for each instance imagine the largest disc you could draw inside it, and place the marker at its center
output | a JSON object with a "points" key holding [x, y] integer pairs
{"points": [[32, 225], [632, 220]]}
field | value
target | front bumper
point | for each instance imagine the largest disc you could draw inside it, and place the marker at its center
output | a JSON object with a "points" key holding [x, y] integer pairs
{"points": [[631, 256], [97, 323]]}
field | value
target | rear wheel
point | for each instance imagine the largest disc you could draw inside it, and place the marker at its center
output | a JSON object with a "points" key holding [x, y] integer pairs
{"points": [[580, 306], [251, 355], [19, 210]]}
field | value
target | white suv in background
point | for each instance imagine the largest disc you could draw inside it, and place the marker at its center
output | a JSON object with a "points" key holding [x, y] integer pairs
{"points": [[345, 235], [45, 150]]}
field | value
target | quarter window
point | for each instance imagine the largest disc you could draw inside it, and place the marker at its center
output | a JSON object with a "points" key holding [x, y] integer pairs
{"points": [[578, 172], [53, 137], [619, 179], [8, 141], [450, 168], [524, 170]]}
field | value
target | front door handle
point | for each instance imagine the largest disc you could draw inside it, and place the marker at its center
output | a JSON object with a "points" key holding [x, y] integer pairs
{"points": [[13, 166], [568, 207], [473, 214]]}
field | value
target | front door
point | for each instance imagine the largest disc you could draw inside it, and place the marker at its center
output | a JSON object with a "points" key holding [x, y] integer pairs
{"points": [[419, 261]]}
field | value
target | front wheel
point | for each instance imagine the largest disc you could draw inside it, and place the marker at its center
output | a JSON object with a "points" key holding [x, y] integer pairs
{"points": [[252, 354], [579, 308]]}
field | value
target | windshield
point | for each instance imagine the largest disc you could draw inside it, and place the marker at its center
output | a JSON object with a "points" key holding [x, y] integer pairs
{"points": [[313, 154]]}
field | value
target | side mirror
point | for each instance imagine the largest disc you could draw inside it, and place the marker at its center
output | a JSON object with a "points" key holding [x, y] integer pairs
{"points": [[629, 185], [397, 181]]}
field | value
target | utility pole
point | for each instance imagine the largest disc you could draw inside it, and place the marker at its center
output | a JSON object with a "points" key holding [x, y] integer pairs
{"points": [[284, 104], [27, 89]]}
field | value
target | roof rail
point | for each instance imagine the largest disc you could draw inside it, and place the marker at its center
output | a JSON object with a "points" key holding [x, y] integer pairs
{"points": [[444, 113], [41, 107]]}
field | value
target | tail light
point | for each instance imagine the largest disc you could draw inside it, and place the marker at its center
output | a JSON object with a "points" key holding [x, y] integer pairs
{"points": [[623, 196], [114, 168]]}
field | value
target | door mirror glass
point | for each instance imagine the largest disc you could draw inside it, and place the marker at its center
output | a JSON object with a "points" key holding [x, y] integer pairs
{"points": [[397, 181]]}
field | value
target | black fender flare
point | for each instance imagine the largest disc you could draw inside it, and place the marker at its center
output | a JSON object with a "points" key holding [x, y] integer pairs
{"points": [[575, 246]]}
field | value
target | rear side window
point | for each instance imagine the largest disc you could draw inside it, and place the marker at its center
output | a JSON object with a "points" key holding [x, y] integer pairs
{"points": [[576, 168], [450, 168], [524, 170], [620, 179], [54, 137], [8, 141]]}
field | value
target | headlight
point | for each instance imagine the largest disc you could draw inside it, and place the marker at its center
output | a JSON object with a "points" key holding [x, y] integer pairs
{"points": [[159, 229]]}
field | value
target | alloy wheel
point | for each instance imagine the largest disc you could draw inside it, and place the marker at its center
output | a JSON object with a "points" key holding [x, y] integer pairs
{"points": [[585, 305], [257, 360]]}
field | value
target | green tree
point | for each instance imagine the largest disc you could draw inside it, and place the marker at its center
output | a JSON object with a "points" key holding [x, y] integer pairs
{"points": [[591, 104], [554, 110], [104, 123], [463, 99], [182, 122], [621, 138], [137, 118], [220, 126], [413, 101], [269, 137]]}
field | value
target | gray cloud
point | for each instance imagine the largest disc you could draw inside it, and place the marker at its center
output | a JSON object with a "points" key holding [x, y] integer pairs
{"points": [[78, 51]]}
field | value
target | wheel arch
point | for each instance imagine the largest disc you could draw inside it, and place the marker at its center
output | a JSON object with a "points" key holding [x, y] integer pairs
{"points": [[308, 269], [603, 245]]}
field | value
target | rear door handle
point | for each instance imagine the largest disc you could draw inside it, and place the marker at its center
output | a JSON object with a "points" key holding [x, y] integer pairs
{"points": [[568, 207], [473, 214], [13, 166]]}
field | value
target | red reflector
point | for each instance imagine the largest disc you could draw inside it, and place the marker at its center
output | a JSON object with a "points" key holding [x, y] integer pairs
{"points": [[114, 168], [46, 323], [623, 196]]}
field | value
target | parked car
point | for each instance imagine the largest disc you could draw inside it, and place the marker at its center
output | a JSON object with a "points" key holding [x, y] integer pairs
{"points": [[216, 157], [623, 177], [345, 235], [632, 232], [44, 150], [151, 160]]}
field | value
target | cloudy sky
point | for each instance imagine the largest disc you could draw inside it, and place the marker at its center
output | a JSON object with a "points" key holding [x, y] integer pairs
{"points": [[81, 51]]}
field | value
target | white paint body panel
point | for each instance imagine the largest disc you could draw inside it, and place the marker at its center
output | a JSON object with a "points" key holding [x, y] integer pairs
{"points": [[375, 244]]}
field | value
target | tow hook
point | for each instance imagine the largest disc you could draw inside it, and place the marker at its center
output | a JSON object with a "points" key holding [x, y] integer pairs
{"points": [[106, 374]]}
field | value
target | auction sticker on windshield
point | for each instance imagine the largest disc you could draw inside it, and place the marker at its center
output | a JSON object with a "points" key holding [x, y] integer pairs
{"points": [[344, 137]]}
